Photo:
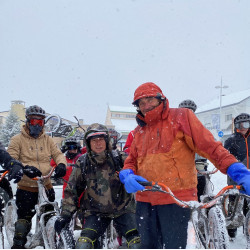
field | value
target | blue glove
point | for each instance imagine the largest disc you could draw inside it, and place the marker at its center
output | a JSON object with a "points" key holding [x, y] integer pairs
{"points": [[129, 179], [241, 175]]}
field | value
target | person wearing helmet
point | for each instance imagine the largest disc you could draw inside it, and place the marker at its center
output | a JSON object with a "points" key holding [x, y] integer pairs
{"points": [[104, 197], [238, 145], [200, 162], [114, 136], [190, 104], [72, 148], [163, 150], [34, 149]]}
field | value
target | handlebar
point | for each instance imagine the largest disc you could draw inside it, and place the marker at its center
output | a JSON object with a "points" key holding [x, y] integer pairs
{"points": [[3, 174], [36, 178], [45, 176], [160, 187], [208, 172]]}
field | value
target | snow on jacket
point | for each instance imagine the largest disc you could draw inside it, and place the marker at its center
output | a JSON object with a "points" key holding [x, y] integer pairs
{"points": [[34, 152], [164, 151], [69, 168]]}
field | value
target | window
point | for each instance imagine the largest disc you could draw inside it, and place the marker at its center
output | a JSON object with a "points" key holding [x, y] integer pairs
{"points": [[228, 117], [130, 116]]}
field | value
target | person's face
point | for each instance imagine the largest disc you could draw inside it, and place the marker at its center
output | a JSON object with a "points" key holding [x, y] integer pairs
{"points": [[242, 127], [147, 104], [98, 145], [72, 149]]}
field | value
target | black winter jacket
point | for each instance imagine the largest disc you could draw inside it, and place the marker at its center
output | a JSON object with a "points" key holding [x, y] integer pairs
{"points": [[5, 158], [238, 145]]}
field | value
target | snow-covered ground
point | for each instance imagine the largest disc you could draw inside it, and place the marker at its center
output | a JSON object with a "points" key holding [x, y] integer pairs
{"points": [[218, 179]]}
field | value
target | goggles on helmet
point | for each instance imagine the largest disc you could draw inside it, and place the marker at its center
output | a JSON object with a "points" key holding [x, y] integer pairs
{"points": [[34, 122], [242, 125], [71, 147]]}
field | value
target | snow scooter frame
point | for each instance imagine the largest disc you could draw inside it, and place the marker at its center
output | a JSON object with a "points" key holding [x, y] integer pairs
{"points": [[5, 197], [45, 234], [233, 212], [207, 218]]}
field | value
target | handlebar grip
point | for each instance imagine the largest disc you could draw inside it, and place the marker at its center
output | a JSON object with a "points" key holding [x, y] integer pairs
{"points": [[145, 183]]}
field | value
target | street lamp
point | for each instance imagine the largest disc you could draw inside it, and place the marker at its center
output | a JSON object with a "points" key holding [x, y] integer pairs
{"points": [[221, 87]]}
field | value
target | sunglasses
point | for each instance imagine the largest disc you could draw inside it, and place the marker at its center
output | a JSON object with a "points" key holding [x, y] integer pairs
{"points": [[242, 125], [39, 122], [71, 147]]}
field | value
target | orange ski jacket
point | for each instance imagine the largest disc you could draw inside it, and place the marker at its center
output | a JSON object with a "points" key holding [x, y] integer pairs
{"points": [[163, 150]]}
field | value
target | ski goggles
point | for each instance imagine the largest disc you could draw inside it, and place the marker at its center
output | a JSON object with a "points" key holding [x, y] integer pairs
{"points": [[34, 122], [242, 125], [71, 147]]}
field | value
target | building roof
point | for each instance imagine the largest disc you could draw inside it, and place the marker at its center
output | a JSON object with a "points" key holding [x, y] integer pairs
{"points": [[122, 109], [227, 100], [124, 125]]}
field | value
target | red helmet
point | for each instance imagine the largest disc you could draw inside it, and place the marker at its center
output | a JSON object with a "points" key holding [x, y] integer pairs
{"points": [[148, 89]]}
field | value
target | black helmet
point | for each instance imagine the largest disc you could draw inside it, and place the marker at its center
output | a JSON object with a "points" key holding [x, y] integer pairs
{"points": [[35, 110], [242, 121], [243, 117], [71, 140], [188, 104]]}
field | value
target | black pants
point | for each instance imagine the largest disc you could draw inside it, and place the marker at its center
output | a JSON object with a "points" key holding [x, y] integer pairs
{"points": [[95, 226], [201, 186], [162, 226], [26, 201]]}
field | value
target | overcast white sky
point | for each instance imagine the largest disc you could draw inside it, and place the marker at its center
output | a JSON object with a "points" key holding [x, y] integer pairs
{"points": [[72, 57]]}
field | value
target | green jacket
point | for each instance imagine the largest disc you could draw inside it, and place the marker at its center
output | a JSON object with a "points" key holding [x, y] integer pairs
{"points": [[103, 193]]}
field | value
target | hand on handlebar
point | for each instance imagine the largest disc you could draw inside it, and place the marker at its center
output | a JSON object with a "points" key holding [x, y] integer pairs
{"points": [[241, 175], [60, 170], [130, 181], [31, 171], [15, 171]]}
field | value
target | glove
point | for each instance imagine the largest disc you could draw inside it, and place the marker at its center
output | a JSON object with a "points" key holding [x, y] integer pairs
{"points": [[15, 171], [31, 171], [129, 179], [61, 222], [64, 148], [60, 170], [241, 175]]}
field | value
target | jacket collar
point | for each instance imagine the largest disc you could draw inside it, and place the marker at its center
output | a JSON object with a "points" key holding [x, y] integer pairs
{"points": [[158, 113]]}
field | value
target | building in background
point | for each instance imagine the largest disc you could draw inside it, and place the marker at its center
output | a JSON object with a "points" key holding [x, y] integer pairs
{"points": [[232, 105], [122, 119]]}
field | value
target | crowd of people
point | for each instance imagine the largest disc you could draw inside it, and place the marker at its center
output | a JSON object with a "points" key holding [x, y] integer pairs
{"points": [[100, 181]]}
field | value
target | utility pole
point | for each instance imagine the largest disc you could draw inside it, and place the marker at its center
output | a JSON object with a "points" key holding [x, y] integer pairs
{"points": [[221, 87]]}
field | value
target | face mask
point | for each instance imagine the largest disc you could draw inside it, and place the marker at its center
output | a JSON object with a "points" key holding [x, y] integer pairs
{"points": [[35, 130], [71, 155]]}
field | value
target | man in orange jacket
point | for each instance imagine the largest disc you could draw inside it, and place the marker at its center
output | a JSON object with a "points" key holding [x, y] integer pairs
{"points": [[163, 150]]}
